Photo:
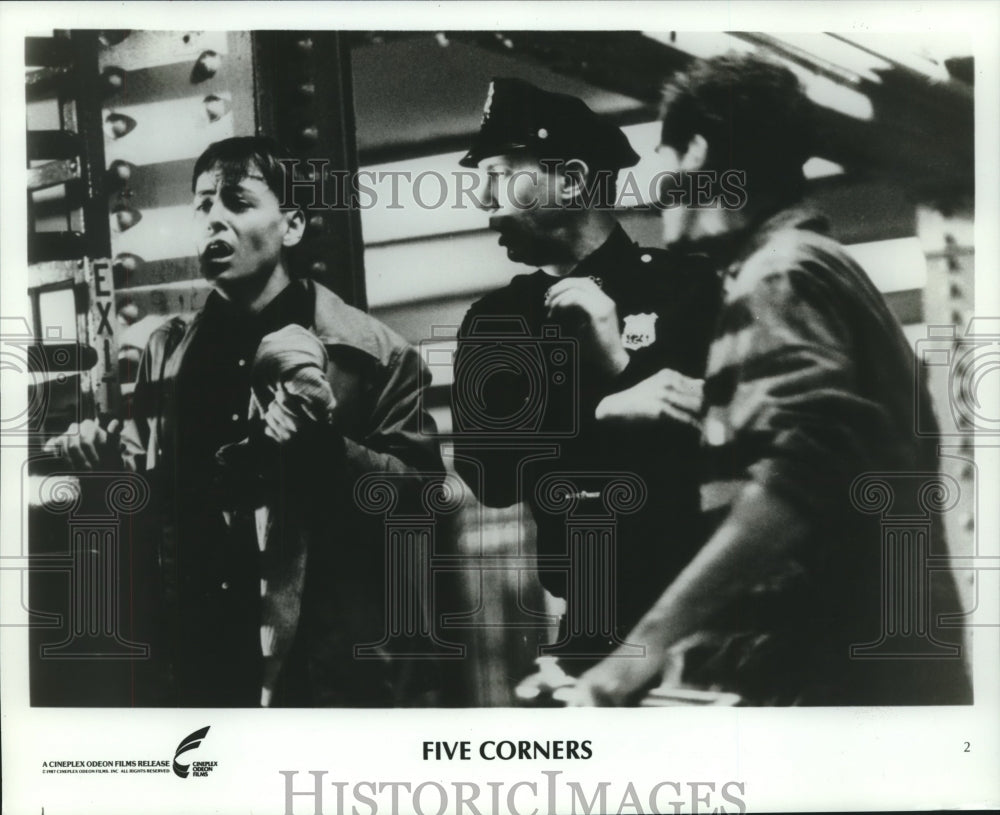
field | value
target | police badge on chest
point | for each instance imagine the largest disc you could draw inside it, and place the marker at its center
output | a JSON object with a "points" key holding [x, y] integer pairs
{"points": [[639, 331]]}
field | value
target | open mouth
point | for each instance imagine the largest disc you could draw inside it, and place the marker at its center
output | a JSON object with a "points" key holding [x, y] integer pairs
{"points": [[217, 252]]}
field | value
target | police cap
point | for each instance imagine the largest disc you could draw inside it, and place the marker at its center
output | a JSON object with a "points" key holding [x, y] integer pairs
{"points": [[551, 125]]}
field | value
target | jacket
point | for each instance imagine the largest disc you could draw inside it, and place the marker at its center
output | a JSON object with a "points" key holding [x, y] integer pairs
{"points": [[381, 428]]}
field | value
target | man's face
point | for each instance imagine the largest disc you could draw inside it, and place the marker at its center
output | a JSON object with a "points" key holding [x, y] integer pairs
{"points": [[238, 225], [522, 199], [677, 216]]}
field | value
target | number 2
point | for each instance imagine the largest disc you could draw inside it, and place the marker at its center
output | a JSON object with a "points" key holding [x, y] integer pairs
{"points": [[966, 750]]}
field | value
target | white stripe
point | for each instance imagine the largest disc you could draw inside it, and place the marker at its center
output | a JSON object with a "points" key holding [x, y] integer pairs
{"points": [[397, 215], [167, 131], [163, 232], [893, 265], [440, 267], [152, 49]]}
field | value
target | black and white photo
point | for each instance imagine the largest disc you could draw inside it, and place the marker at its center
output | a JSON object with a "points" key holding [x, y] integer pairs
{"points": [[427, 388]]}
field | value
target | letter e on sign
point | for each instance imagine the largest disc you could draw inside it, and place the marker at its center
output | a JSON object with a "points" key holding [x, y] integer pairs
{"points": [[102, 270]]}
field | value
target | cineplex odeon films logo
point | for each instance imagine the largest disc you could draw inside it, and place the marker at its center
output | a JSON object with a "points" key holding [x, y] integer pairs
{"points": [[198, 769], [143, 765]]}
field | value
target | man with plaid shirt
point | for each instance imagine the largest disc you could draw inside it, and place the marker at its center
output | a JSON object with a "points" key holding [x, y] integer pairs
{"points": [[809, 385]]}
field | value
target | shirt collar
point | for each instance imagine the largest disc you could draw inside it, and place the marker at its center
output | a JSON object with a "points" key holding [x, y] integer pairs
{"points": [[291, 305], [602, 261]]}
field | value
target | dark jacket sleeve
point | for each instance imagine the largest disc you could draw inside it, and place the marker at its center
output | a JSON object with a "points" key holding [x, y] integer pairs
{"points": [[401, 437], [146, 398], [134, 433]]}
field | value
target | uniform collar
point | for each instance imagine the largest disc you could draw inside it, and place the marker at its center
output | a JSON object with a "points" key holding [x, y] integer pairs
{"points": [[604, 260]]}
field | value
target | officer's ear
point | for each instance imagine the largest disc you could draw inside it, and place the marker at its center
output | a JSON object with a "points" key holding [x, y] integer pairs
{"points": [[575, 173], [295, 222], [696, 155]]}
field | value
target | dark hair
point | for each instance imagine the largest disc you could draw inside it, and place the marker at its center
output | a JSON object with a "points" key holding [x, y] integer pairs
{"points": [[754, 115], [237, 155]]}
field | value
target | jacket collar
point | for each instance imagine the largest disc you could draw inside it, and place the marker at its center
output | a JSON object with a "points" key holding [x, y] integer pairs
{"points": [[334, 322], [799, 217]]}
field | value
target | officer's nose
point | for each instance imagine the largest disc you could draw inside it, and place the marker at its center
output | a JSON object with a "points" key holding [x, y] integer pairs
{"points": [[486, 194]]}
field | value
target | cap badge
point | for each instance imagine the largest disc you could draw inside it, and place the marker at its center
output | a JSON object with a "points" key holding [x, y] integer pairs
{"points": [[488, 104], [639, 331]]}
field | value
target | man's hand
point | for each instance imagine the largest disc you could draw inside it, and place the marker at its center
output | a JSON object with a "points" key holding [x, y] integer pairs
{"points": [[665, 395], [762, 531], [286, 418], [549, 678], [87, 446], [615, 681], [580, 300], [292, 414]]}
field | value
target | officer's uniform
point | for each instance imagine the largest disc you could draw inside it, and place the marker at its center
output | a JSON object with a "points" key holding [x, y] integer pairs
{"points": [[665, 304]]}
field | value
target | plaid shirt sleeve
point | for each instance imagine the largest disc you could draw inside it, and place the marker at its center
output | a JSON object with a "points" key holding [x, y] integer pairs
{"points": [[786, 407]]}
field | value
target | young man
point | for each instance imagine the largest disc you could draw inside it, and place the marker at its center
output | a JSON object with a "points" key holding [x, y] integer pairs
{"points": [[192, 398], [540, 362], [809, 385]]}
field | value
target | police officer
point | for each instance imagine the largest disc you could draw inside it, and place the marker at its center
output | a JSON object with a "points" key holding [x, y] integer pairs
{"points": [[636, 320]]}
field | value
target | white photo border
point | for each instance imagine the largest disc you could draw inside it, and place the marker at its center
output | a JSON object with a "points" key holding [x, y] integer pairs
{"points": [[788, 760]]}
